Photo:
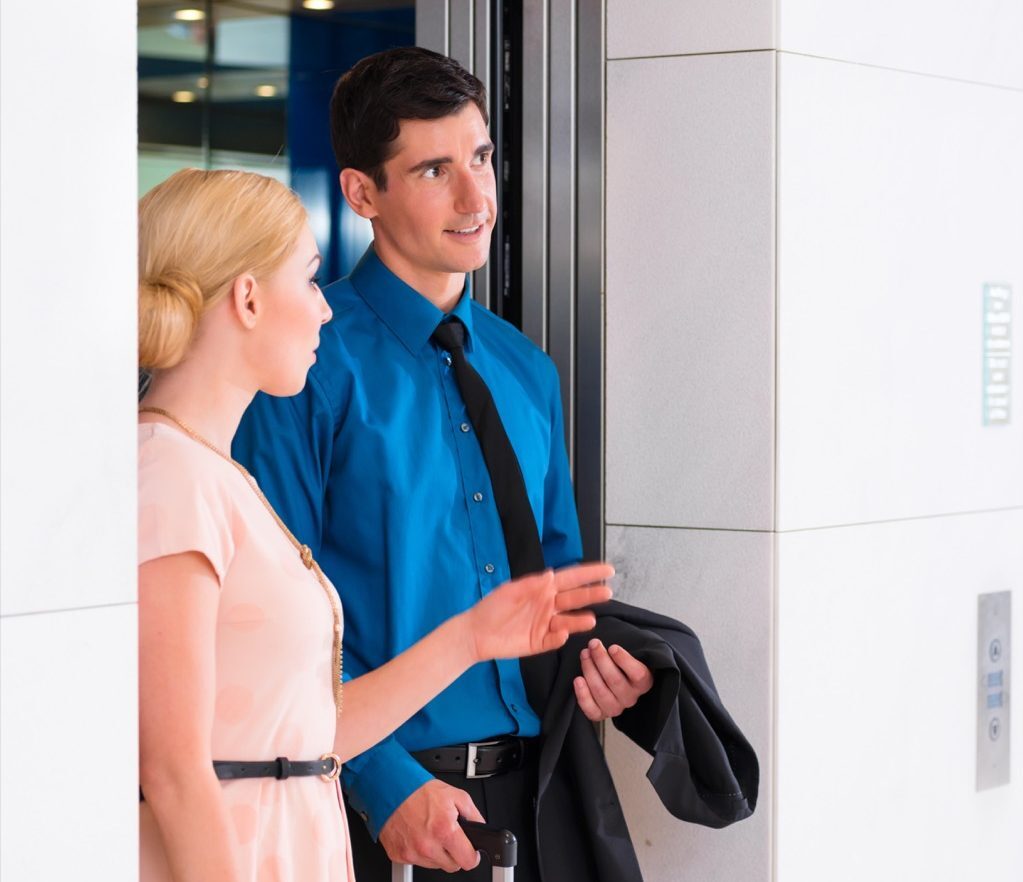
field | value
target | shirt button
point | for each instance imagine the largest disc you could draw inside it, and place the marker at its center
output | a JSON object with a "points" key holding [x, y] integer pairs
{"points": [[489, 568], [447, 360], [465, 427], [515, 708], [477, 496]]}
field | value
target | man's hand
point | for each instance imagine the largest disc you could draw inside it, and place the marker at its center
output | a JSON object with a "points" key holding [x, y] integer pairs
{"points": [[612, 681], [424, 829]]}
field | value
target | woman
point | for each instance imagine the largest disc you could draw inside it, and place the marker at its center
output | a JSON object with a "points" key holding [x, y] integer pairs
{"points": [[239, 631]]}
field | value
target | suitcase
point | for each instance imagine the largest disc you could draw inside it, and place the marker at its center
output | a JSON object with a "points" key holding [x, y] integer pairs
{"points": [[498, 846]]}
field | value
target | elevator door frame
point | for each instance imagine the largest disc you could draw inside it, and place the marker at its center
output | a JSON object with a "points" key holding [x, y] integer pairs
{"points": [[559, 232]]}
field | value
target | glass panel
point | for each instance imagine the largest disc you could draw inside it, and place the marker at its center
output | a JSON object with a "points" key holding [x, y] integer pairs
{"points": [[247, 83], [172, 80]]}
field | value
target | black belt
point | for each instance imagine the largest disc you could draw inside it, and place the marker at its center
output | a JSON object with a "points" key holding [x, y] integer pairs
{"points": [[478, 759], [281, 768], [327, 767]]}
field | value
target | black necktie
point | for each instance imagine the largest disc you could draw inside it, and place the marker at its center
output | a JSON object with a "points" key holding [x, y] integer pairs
{"points": [[525, 554]]}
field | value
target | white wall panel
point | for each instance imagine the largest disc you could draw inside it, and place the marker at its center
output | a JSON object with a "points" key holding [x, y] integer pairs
{"points": [[719, 583], [898, 198], [671, 27], [69, 746], [979, 40], [877, 668], [67, 304], [690, 291]]}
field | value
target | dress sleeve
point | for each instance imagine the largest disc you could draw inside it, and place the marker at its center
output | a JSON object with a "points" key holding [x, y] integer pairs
{"points": [[184, 505]]}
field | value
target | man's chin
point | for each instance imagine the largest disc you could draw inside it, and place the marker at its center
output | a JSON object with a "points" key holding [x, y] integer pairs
{"points": [[468, 263]]}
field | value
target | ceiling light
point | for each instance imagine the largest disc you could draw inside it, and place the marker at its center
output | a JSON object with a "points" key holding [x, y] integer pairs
{"points": [[183, 97], [266, 91], [189, 15], [318, 5], [203, 82]]}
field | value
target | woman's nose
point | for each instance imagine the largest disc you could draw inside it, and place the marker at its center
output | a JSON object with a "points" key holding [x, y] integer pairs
{"points": [[326, 313]]}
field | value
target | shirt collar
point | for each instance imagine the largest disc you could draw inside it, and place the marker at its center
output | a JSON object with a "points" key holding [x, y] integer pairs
{"points": [[406, 312]]}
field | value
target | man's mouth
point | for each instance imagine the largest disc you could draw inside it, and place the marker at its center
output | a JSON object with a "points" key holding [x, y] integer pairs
{"points": [[466, 231]]}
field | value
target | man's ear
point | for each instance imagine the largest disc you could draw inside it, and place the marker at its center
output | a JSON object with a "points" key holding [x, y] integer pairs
{"points": [[245, 300], [360, 192]]}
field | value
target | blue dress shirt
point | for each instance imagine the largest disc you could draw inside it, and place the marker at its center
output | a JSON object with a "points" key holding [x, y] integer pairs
{"points": [[376, 466]]}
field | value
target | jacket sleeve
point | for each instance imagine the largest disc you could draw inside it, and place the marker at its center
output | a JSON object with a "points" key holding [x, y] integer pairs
{"points": [[703, 770]]}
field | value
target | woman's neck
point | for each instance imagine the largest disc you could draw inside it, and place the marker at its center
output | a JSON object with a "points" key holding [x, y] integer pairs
{"points": [[208, 403]]}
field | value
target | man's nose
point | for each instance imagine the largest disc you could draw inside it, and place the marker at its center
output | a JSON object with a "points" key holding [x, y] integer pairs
{"points": [[471, 197]]}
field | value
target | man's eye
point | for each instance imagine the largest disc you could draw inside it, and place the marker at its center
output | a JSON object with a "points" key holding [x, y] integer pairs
{"points": [[432, 172], [482, 158]]}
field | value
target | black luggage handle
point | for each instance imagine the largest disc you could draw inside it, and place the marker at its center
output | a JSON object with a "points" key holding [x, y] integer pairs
{"points": [[499, 846]]}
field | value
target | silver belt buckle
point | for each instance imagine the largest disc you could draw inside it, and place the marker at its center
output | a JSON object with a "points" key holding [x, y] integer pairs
{"points": [[472, 759]]}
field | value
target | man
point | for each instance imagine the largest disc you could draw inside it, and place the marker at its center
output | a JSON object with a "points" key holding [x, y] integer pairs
{"points": [[382, 467]]}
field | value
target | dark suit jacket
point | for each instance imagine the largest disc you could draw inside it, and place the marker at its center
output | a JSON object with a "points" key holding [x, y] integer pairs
{"points": [[703, 769]]}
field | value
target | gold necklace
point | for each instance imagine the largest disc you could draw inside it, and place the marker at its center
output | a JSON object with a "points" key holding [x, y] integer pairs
{"points": [[304, 551]]}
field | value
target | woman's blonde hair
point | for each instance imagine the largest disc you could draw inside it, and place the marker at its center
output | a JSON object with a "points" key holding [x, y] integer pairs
{"points": [[198, 232]]}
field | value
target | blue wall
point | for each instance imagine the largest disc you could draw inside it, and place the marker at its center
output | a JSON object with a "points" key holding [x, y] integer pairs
{"points": [[322, 50]]}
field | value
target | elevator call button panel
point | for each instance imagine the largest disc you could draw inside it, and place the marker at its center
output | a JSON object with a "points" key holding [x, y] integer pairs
{"points": [[994, 615]]}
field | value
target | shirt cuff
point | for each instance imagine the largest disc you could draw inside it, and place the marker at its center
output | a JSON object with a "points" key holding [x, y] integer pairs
{"points": [[380, 780]]}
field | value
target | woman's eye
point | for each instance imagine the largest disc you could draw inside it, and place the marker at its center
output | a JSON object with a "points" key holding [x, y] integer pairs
{"points": [[315, 281]]}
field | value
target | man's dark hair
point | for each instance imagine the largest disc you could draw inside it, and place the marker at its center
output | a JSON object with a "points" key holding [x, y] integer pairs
{"points": [[371, 100]]}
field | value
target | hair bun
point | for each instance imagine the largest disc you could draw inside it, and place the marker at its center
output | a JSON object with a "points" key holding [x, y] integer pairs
{"points": [[170, 305]]}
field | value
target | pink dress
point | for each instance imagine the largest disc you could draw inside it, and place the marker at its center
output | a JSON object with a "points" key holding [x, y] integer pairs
{"points": [[274, 647]]}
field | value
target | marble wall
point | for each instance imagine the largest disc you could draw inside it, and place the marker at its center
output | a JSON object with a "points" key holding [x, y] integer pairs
{"points": [[68, 745], [804, 202]]}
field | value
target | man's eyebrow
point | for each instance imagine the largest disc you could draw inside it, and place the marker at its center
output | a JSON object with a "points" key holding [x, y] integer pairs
{"points": [[430, 163], [444, 160]]}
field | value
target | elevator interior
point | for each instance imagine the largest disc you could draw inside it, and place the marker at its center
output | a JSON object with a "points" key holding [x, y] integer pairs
{"points": [[246, 83]]}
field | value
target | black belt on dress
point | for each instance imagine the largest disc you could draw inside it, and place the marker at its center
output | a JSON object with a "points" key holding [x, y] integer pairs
{"points": [[327, 767], [281, 768], [478, 759]]}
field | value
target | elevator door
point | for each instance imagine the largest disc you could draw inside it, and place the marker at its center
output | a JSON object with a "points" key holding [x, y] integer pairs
{"points": [[542, 62]]}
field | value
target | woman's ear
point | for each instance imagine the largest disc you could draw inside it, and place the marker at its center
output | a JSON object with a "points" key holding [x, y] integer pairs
{"points": [[360, 192], [245, 300]]}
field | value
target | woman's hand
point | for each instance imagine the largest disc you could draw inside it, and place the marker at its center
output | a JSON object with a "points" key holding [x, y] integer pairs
{"points": [[524, 617], [537, 613]]}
